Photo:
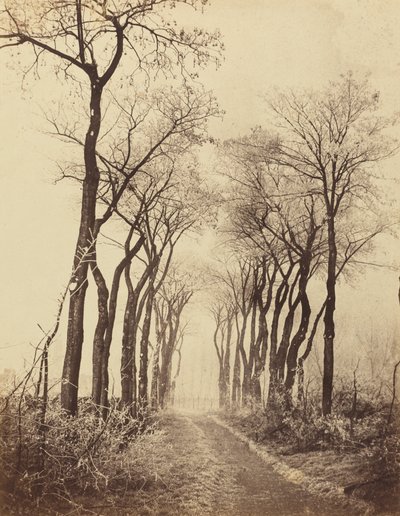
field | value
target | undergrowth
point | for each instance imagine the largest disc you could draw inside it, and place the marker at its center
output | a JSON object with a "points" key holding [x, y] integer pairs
{"points": [[43, 465], [363, 425]]}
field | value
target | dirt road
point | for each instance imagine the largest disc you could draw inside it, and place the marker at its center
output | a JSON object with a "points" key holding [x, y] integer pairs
{"points": [[193, 466], [232, 479]]}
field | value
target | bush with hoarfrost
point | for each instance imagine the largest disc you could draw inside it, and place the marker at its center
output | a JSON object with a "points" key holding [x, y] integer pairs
{"points": [[71, 456], [357, 423]]}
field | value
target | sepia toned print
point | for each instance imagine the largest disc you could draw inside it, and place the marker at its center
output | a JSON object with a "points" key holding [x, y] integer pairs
{"points": [[200, 266]]}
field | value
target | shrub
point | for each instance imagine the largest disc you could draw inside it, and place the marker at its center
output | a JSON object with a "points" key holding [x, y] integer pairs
{"points": [[68, 456], [357, 423]]}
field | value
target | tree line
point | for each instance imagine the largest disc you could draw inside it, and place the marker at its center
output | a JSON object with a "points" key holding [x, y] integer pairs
{"points": [[302, 206], [136, 168], [301, 202]]}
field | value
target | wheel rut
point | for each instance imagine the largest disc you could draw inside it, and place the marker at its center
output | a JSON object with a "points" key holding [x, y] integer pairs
{"points": [[259, 489]]}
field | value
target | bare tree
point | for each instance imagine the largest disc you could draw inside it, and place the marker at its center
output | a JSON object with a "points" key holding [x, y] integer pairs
{"points": [[222, 349], [105, 325], [174, 203], [270, 213], [237, 279], [333, 138], [301, 194], [178, 351], [88, 39], [176, 124], [174, 295]]}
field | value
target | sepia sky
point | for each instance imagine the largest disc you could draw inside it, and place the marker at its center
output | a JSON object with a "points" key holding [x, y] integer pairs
{"points": [[269, 44]]}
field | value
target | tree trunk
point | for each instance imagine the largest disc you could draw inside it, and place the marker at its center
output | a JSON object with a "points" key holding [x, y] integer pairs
{"points": [[112, 308], [300, 335], [144, 349], [245, 388], [260, 355], [272, 354], [83, 251], [297, 341], [248, 364], [168, 391], [261, 345], [178, 370], [165, 371], [163, 384], [285, 340], [329, 321], [236, 379], [155, 380], [128, 356], [221, 387], [227, 360], [98, 340], [307, 351], [280, 299], [133, 311]]}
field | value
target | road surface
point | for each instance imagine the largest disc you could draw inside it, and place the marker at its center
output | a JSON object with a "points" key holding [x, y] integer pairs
{"points": [[227, 478]]}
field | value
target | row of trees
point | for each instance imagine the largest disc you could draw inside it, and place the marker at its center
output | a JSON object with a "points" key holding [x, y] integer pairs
{"points": [[134, 167], [301, 202], [301, 207]]}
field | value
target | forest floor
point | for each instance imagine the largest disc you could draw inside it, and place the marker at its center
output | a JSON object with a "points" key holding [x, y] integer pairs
{"points": [[200, 467]]}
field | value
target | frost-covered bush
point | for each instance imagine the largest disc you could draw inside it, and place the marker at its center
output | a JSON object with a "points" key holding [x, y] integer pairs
{"points": [[386, 456], [70, 456], [358, 421]]}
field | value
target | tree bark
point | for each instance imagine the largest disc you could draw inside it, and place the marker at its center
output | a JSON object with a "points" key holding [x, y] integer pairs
{"points": [[173, 383], [133, 311], [248, 364], [128, 362], [155, 377], [227, 360], [307, 351], [236, 370], [106, 316], [102, 391], [329, 321], [286, 334], [300, 335], [261, 345], [144, 349], [165, 371], [98, 340], [246, 372], [297, 341], [161, 328], [260, 355], [83, 252], [280, 299]]}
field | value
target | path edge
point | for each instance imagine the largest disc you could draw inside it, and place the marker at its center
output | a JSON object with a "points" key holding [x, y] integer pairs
{"points": [[315, 486]]}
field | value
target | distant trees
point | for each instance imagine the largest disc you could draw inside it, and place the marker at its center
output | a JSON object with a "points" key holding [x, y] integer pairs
{"points": [[89, 41], [172, 299], [302, 204], [224, 313], [162, 206], [284, 233]]}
